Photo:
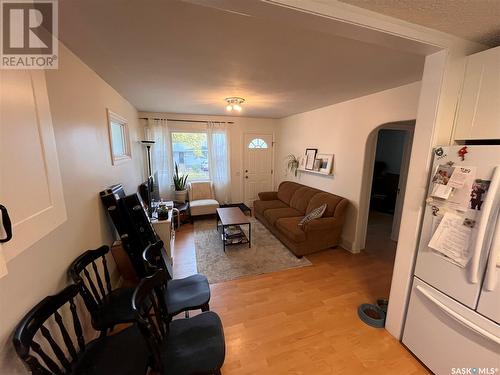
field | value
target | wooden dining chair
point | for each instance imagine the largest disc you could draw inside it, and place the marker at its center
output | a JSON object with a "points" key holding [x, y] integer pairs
{"points": [[181, 347], [50, 340], [181, 295], [106, 305]]}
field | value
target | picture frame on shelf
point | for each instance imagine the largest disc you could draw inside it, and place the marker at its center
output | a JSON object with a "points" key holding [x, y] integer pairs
{"points": [[326, 164], [317, 164], [310, 157]]}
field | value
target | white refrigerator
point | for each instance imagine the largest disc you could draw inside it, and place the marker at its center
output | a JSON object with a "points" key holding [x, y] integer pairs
{"points": [[453, 316]]}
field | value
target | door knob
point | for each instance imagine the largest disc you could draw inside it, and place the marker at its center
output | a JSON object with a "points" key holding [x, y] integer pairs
{"points": [[6, 224]]}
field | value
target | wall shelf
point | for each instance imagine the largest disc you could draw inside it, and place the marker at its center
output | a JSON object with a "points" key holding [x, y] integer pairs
{"points": [[315, 172]]}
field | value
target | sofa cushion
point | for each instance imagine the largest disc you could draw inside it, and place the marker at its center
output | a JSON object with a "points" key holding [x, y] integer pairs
{"points": [[203, 207], [274, 214], [320, 198], [260, 206], [286, 191], [268, 195], [289, 227], [301, 197]]}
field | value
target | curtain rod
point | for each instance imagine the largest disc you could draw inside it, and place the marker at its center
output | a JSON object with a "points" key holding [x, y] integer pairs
{"points": [[171, 119]]}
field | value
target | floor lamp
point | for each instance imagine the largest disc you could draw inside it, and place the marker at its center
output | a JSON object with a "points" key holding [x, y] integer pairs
{"points": [[148, 145]]}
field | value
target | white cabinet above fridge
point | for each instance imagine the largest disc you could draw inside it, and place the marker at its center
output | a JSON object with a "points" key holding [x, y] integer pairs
{"points": [[478, 115]]}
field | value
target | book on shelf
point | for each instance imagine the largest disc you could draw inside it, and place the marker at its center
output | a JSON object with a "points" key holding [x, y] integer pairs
{"points": [[233, 231], [237, 240]]}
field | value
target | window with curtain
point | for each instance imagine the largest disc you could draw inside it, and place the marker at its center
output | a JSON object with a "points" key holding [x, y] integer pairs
{"points": [[190, 152], [201, 151]]}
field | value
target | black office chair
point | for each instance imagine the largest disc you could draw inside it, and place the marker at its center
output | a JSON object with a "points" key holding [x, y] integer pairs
{"points": [[50, 340], [181, 295], [184, 346], [107, 306]]}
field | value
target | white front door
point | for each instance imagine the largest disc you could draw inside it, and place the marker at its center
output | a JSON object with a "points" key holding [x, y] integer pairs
{"points": [[30, 181], [258, 165]]}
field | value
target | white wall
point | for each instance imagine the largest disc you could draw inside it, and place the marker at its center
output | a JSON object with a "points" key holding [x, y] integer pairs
{"points": [[78, 101], [237, 130], [343, 129]]}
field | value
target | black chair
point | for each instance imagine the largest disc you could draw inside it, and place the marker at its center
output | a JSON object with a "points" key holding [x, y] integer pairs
{"points": [[181, 295], [184, 346], [107, 306], [48, 324]]}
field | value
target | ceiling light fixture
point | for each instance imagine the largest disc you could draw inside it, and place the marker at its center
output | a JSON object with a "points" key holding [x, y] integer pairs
{"points": [[235, 103]]}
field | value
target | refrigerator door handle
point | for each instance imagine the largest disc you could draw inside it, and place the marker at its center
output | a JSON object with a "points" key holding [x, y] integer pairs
{"points": [[488, 206], [490, 281], [459, 318]]}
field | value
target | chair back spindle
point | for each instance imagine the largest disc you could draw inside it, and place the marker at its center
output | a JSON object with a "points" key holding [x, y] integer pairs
{"points": [[36, 354], [84, 271], [149, 306]]}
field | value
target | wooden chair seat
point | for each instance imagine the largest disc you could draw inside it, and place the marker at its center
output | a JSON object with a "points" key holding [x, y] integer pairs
{"points": [[194, 346], [181, 295], [115, 307], [192, 292], [123, 353]]}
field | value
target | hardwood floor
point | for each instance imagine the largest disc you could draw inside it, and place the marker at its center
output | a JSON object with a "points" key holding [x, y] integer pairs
{"points": [[304, 321]]}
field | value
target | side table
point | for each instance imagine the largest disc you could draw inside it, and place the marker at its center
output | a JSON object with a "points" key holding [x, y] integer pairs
{"points": [[184, 213]]}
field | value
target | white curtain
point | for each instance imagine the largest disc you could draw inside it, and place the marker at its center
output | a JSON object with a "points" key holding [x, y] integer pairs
{"points": [[161, 155], [218, 154]]}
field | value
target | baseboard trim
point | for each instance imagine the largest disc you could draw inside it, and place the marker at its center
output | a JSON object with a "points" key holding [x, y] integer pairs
{"points": [[349, 246]]}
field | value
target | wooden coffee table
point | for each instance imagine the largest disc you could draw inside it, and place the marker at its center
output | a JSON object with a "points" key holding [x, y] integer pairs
{"points": [[230, 219]]}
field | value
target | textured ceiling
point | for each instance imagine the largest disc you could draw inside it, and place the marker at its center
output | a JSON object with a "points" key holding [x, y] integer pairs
{"points": [[475, 20], [181, 57]]}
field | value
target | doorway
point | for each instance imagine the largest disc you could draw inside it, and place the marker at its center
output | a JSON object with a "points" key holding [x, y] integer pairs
{"points": [[388, 185], [257, 165]]}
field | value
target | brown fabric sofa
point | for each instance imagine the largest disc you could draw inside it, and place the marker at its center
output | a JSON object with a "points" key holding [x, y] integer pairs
{"points": [[281, 211]]}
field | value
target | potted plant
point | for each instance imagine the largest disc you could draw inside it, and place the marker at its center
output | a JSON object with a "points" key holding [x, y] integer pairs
{"points": [[292, 164], [162, 211], [180, 185]]}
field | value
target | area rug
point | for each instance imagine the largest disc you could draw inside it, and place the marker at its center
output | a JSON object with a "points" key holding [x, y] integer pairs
{"points": [[266, 255]]}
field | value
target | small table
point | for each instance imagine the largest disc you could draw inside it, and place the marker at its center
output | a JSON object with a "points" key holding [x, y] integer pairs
{"points": [[183, 214], [233, 216], [242, 206]]}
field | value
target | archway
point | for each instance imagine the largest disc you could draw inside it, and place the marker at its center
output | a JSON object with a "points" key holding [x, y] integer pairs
{"points": [[368, 173]]}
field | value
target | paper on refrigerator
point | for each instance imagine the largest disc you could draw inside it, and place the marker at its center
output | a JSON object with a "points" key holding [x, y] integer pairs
{"points": [[440, 180], [460, 176], [460, 197], [452, 239]]}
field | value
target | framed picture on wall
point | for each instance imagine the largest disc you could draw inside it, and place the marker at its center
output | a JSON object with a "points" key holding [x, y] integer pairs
{"points": [[326, 165], [309, 157]]}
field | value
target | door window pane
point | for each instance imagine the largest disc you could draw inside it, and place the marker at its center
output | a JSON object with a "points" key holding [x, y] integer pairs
{"points": [[190, 152], [257, 143]]}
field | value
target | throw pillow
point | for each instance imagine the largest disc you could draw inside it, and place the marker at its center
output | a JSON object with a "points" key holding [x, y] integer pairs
{"points": [[314, 214]]}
